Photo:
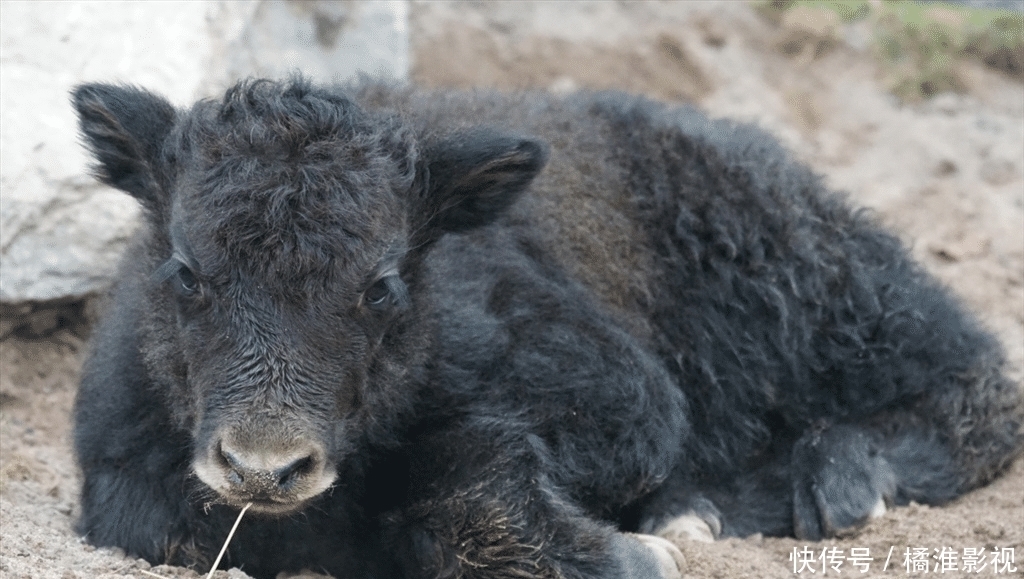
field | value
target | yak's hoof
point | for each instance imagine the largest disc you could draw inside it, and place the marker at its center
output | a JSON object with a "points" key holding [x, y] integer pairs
{"points": [[670, 559], [840, 482], [648, 557], [690, 527], [878, 510]]}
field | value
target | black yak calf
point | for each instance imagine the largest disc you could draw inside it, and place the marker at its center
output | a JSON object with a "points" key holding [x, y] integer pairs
{"points": [[482, 336]]}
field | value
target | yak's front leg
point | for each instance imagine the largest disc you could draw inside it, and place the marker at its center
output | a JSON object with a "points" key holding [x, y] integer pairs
{"points": [[483, 506], [135, 483]]}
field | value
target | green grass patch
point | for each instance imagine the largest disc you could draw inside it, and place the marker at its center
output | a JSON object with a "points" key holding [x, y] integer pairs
{"points": [[922, 46], [846, 10]]}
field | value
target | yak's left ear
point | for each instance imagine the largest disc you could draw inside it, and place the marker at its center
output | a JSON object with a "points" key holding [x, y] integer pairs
{"points": [[125, 127], [471, 178]]}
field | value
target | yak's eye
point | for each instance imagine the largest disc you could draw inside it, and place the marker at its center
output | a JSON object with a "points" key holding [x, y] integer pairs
{"points": [[186, 282], [386, 293], [179, 276], [377, 295]]}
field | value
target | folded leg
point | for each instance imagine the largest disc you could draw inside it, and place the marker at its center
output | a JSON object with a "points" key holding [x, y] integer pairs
{"points": [[483, 506]]}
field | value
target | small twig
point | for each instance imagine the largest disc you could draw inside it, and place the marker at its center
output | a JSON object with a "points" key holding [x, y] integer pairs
{"points": [[228, 540], [152, 574]]}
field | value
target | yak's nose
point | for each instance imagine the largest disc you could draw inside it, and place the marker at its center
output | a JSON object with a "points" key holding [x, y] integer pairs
{"points": [[267, 473], [277, 472], [282, 473]]}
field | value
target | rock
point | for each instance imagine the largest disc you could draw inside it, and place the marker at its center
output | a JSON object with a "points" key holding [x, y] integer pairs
{"points": [[64, 245], [999, 172], [332, 41], [61, 233]]}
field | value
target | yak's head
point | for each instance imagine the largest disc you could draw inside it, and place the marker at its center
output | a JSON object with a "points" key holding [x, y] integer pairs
{"points": [[285, 226]]}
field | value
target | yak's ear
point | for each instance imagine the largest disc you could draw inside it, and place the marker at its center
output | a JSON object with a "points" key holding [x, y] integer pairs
{"points": [[125, 128], [472, 177]]}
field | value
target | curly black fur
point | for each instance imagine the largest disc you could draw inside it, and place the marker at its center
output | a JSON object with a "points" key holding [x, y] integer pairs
{"points": [[427, 346]]}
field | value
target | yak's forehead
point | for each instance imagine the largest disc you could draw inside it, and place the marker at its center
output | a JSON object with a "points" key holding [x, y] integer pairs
{"points": [[288, 186], [290, 226]]}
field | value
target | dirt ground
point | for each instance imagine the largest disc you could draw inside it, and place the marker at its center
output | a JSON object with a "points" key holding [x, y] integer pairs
{"points": [[947, 173]]}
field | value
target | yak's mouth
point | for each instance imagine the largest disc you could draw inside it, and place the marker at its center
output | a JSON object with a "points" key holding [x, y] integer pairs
{"points": [[267, 503], [268, 506]]}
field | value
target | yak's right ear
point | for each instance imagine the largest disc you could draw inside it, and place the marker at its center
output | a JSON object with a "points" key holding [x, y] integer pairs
{"points": [[125, 128]]}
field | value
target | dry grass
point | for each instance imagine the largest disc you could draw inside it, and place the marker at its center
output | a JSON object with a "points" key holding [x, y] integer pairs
{"points": [[227, 541]]}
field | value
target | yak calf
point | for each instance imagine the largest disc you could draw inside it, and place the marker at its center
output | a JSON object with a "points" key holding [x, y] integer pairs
{"points": [[436, 334]]}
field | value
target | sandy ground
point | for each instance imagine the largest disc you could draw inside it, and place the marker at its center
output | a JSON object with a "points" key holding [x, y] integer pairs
{"points": [[947, 174]]}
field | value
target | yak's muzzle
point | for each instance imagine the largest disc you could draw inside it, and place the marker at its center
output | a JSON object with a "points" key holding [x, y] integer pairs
{"points": [[277, 477]]}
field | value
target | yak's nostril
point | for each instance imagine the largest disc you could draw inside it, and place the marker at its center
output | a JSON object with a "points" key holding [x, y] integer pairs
{"points": [[287, 475], [235, 478], [234, 466]]}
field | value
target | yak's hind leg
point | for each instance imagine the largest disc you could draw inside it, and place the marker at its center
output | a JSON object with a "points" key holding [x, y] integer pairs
{"points": [[839, 475], [928, 447], [833, 481], [843, 475]]}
